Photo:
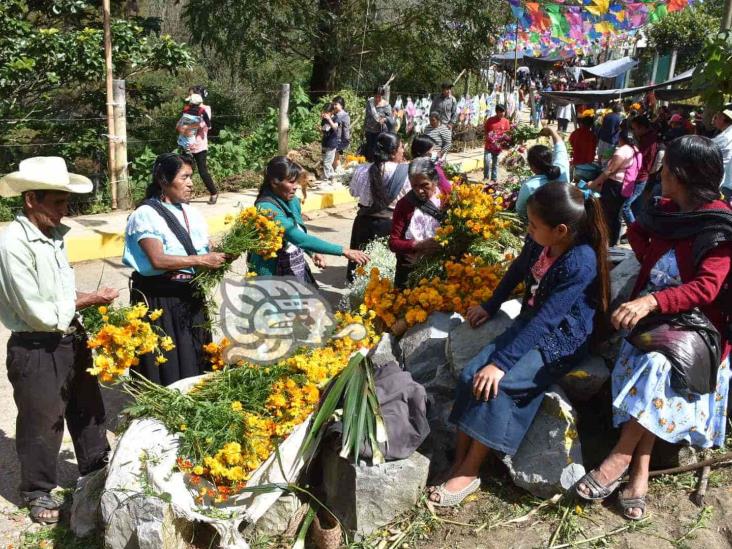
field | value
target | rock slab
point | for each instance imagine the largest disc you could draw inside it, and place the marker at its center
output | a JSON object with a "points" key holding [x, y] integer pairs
{"points": [[585, 380], [423, 346], [276, 520], [549, 460], [134, 516], [465, 342], [366, 497], [85, 510]]}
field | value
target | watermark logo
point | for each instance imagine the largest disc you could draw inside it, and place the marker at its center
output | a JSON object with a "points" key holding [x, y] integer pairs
{"points": [[268, 318]]}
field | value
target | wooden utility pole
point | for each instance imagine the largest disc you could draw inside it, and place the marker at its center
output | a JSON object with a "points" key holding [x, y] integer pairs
{"points": [[124, 197], [110, 101], [283, 123]]}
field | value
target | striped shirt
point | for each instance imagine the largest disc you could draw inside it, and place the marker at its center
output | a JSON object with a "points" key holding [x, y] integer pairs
{"points": [[442, 135]]}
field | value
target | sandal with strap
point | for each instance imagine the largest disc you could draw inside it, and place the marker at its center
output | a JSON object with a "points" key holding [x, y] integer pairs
{"points": [[451, 499], [626, 504], [44, 503], [598, 492]]}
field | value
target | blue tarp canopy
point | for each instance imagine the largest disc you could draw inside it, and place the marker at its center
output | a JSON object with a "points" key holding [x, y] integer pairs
{"points": [[610, 69]]}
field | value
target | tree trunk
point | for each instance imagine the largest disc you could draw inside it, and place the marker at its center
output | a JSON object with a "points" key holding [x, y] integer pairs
{"points": [[323, 75]]}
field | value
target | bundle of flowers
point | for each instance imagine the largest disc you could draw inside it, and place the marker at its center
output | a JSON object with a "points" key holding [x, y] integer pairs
{"points": [[233, 420], [637, 107], [477, 239], [251, 231], [497, 142], [467, 282], [119, 335], [352, 159], [520, 134], [471, 213], [587, 113], [380, 257], [506, 190], [515, 163]]}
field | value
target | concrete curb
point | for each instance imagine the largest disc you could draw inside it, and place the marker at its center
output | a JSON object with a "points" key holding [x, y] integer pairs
{"points": [[102, 236]]}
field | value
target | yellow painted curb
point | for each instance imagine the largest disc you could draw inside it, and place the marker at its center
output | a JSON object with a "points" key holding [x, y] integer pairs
{"points": [[89, 244]]}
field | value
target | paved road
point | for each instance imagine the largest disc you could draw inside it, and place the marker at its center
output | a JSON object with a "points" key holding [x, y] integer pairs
{"points": [[333, 225]]}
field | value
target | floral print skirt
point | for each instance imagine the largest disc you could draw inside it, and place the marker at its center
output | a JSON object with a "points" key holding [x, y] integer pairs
{"points": [[641, 385]]}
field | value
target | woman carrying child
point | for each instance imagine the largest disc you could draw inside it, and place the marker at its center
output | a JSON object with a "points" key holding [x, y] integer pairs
{"points": [[192, 128], [563, 266]]}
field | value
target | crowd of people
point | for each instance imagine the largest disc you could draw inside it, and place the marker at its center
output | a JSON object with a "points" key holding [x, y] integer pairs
{"points": [[682, 239]]}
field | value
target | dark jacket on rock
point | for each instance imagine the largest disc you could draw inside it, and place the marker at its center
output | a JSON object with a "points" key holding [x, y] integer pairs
{"points": [[560, 322]]}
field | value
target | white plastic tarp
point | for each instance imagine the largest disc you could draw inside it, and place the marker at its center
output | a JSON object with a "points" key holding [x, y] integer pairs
{"points": [[610, 69]]}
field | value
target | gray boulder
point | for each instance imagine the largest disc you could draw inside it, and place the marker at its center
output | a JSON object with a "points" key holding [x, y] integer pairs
{"points": [[366, 497], [85, 513], [134, 515], [385, 352], [584, 381], [423, 346], [147, 522], [549, 460], [465, 342], [276, 520]]}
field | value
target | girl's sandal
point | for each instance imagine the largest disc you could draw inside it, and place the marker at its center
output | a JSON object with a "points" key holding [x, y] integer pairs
{"points": [[451, 499], [626, 504], [598, 492]]}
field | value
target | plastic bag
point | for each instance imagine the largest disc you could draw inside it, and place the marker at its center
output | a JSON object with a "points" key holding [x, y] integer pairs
{"points": [[689, 341]]}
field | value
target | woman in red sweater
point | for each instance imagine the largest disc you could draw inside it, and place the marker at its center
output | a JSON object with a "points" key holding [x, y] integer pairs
{"points": [[416, 219], [684, 244]]}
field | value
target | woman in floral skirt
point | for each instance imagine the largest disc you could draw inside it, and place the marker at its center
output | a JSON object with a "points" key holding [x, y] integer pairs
{"points": [[684, 244]]}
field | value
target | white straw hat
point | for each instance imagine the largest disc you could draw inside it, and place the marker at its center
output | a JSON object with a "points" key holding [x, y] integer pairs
{"points": [[43, 173]]}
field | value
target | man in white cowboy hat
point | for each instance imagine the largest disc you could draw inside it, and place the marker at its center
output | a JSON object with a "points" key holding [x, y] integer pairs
{"points": [[47, 353]]}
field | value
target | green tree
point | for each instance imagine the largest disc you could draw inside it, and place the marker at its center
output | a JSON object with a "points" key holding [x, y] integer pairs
{"points": [[352, 43], [685, 31], [52, 74], [714, 77]]}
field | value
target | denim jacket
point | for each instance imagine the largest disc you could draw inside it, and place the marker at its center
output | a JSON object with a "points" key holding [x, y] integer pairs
{"points": [[560, 322]]}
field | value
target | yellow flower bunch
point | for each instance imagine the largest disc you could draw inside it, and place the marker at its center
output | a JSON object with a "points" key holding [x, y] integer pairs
{"points": [[469, 281], [636, 107], [124, 335], [215, 352], [354, 159], [471, 213], [269, 232], [293, 396], [588, 113]]}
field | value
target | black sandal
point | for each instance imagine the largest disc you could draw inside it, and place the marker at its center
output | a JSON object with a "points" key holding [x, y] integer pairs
{"points": [[44, 503], [598, 492], [626, 504]]}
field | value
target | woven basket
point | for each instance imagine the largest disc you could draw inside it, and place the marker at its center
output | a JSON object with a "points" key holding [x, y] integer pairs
{"points": [[325, 535]]}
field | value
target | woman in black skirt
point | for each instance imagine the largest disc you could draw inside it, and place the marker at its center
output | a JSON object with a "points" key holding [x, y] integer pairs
{"points": [[378, 187], [166, 240]]}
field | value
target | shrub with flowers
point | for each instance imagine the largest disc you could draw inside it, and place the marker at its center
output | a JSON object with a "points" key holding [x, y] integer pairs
{"points": [[119, 335], [232, 420], [251, 231]]}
